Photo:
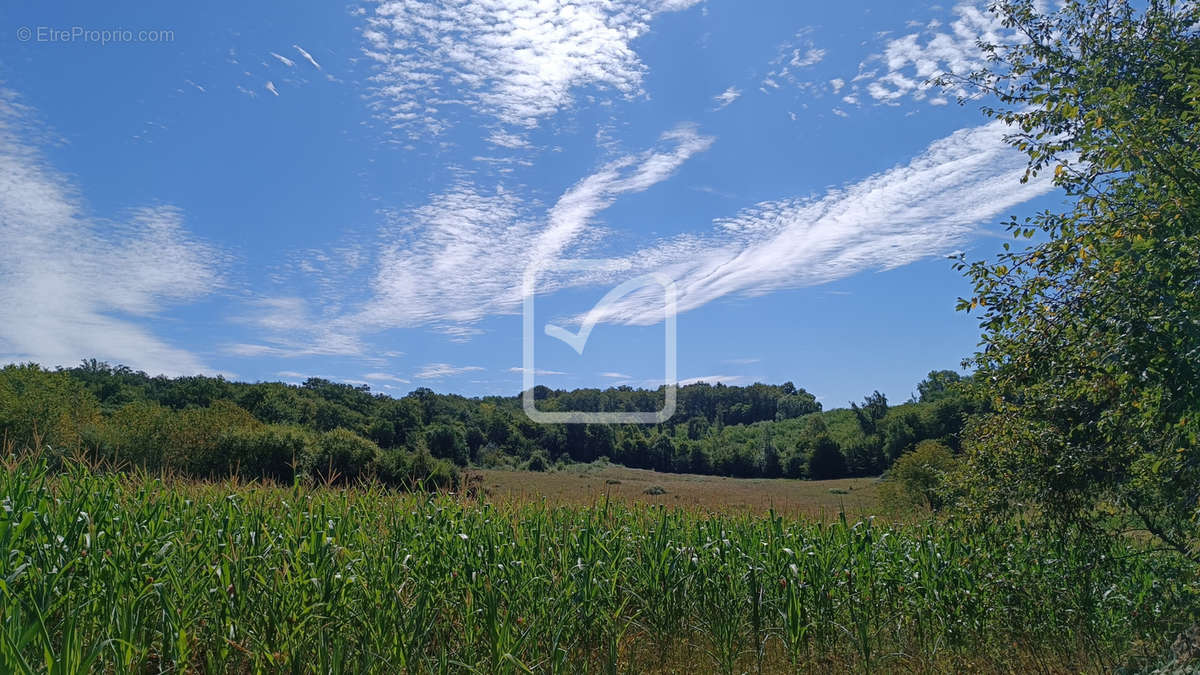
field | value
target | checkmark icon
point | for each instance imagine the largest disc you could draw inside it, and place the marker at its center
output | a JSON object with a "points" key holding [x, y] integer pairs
{"points": [[578, 340], [606, 309]]}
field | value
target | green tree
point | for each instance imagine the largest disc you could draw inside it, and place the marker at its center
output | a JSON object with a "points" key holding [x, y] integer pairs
{"points": [[769, 461], [826, 460], [1090, 358], [873, 409], [38, 406], [798, 404], [937, 384], [447, 441]]}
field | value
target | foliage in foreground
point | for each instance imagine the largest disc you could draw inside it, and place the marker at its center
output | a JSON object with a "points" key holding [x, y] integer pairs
{"points": [[1091, 345], [129, 575]]}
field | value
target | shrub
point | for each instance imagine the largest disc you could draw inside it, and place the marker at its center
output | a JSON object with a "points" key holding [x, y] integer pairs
{"points": [[193, 435], [918, 477], [430, 471], [41, 406], [538, 461], [272, 452], [341, 454]]}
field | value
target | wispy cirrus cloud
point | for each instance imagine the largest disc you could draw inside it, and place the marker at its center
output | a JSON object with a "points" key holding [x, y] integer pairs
{"points": [[517, 61], [536, 371], [924, 208], [794, 56], [727, 97], [463, 256], [307, 57], [434, 371], [385, 377], [457, 259], [714, 379], [74, 285]]}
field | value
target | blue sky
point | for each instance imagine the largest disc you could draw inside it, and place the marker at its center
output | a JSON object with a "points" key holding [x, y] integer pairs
{"points": [[278, 190]]}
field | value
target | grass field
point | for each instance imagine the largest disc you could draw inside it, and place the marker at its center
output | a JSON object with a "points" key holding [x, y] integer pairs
{"points": [[591, 484], [128, 575]]}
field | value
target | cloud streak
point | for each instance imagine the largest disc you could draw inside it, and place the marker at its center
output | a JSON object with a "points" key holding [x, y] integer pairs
{"points": [[463, 256], [434, 371], [921, 209], [307, 57], [74, 286]]}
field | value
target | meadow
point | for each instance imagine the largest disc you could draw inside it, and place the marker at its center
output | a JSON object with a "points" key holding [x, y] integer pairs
{"points": [[130, 573], [591, 484]]}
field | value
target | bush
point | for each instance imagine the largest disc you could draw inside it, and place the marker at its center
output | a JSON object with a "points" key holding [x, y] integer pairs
{"points": [[918, 477], [41, 407], [538, 461], [149, 435], [271, 452], [341, 454]]}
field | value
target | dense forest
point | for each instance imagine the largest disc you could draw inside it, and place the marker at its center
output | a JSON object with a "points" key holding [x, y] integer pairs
{"points": [[212, 427]]}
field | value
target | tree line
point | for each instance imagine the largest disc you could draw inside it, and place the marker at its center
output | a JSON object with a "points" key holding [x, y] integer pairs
{"points": [[212, 427]]}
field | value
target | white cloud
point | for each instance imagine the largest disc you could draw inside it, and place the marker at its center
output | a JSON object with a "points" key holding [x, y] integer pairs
{"points": [[432, 371], [384, 377], [795, 55], [811, 57], [284, 60], [713, 379], [456, 260], [76, 286], [518, 61], [742, 362], [909, 62], [727, 97], [536, 371], [291, 328], [270, 86], [924, 208], [463, 255], [307, 57], [507, 139], [617, 376], [837, 83]]}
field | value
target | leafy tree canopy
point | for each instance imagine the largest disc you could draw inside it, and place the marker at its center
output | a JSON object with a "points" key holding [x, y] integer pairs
{"points": [[1091, 350]]}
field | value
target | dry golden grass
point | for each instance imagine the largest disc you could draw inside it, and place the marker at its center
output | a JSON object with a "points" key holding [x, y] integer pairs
{"points": [[590, 484]]}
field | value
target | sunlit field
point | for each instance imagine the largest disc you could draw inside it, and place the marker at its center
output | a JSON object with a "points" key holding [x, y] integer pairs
{"points": [[128, 574], [591, 484]]}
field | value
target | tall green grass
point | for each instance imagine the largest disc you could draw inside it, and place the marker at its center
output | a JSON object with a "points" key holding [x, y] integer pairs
{"points": [[126, 574]]}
